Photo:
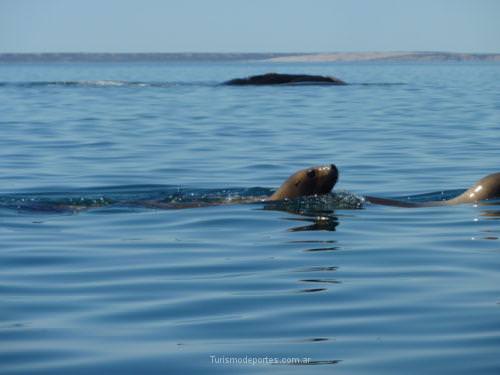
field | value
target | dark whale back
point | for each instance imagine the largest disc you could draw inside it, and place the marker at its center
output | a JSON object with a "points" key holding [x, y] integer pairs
{"points": [[279, 79]]}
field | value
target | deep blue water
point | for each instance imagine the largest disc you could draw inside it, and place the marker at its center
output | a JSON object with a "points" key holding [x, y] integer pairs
{"points": [[117, 287]]}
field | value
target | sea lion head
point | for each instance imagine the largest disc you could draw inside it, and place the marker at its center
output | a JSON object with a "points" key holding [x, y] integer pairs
{"points": [[311, 181]]}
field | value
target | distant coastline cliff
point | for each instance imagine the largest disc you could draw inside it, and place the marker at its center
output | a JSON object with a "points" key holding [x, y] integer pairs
{"points": [[270, 57], [388, 56]]}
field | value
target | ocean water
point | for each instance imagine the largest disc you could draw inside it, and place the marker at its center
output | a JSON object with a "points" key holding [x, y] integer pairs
{"points": [[93, 280]]}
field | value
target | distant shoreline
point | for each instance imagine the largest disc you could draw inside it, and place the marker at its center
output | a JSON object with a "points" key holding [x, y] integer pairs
{"points": [[137, 57], [267, 57], [389, 56]]}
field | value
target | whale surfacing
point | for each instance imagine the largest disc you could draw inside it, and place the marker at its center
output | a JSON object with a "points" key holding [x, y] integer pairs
{"points": [[280, 79]]}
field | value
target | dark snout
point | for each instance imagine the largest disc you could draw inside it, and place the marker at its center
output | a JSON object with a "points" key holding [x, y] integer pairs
{"points": [[334, 172]]}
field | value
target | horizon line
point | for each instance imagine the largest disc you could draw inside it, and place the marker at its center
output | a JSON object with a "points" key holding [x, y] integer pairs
{"points": [[254, 52]]}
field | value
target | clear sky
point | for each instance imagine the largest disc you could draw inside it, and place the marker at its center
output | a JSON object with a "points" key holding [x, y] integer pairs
{"points": [[249, 25]]}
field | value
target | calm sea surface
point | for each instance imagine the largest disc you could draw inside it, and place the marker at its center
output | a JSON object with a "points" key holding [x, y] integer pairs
{"points": [[93, 284]]}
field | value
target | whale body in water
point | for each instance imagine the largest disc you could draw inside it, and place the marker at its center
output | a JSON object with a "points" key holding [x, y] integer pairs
{"points": [[280, 79]]}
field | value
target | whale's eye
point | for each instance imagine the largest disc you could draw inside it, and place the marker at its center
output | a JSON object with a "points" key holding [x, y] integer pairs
{"points": [[311, 173]]}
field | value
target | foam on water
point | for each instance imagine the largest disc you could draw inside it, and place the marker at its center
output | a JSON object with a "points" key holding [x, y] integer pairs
{"points": [[168, 197], [120, 83], [91, 83]]}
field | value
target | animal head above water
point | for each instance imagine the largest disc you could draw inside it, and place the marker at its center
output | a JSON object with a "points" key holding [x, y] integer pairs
{"points": [[311, 181], [486, 188]]}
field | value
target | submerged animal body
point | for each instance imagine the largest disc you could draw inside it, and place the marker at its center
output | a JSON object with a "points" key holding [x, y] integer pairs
{"points": [[279, 79], [486, 188], [313, 181]]}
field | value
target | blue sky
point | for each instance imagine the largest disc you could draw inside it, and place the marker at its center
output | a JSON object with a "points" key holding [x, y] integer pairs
{"points": [[249, 25]]}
